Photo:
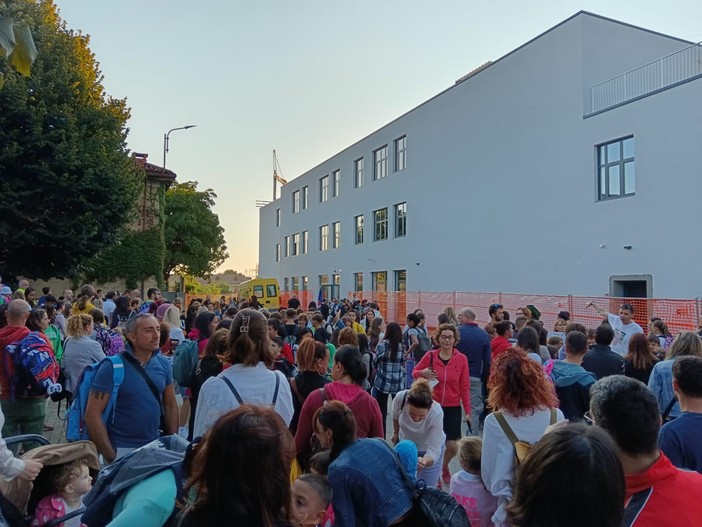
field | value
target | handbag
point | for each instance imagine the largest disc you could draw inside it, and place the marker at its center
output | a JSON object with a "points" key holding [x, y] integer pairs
{"points": [[438, 507]]}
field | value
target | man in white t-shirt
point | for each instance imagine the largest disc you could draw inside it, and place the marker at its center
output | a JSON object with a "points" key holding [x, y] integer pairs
{"points": [[623, 325]]}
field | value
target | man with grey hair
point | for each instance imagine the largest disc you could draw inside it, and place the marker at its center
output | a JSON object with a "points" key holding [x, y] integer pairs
{"points": [[657, 493], [475, 345], [145, 399]]}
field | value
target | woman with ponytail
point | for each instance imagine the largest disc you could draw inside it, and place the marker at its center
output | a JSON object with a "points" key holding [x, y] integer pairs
{"points": [[84, 304], [418, 417], [367, 485], [249, 379], [348, 374]]}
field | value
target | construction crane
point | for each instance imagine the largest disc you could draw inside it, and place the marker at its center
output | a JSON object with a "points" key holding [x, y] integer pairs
{"points": [[277, 178]]}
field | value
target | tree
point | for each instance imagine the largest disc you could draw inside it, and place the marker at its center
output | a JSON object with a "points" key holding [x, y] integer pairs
{"points": [[67, 180], [194, 238]]}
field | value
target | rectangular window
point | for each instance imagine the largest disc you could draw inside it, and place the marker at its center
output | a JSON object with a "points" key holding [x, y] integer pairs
{"points": [[277, 252], [358, 173], [380, 224], [285, 285], [401, 153], [324, 188], [380, 163], [305, 283], [400, 220], [296, 244], [336, 235], [323, 279], [616, 175], [358, 282], [305, 193], [286, 247], [380, 281], [270, 291], [296, 201], [336, 279], [336, 183], [304, 242], [358, 229], [324, 238], [401, 280], [277, 217], [295, 284]]}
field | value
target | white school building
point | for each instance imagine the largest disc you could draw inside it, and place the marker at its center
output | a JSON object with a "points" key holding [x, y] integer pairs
{"points": [[572, 165]]}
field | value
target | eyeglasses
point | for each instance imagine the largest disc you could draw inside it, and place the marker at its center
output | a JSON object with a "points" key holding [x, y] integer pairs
{"points": [[447, 337]]}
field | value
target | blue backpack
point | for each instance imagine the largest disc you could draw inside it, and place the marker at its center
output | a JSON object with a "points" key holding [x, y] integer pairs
{"points": [[75, 416]]}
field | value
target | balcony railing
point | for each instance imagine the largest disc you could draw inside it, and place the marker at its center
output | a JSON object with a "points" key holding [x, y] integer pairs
{"points": [[660, 74]]}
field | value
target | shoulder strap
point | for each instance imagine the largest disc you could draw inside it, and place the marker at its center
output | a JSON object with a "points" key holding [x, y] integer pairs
{"points": [[277, 386], [404, 401], [293, 386], [231, 387], [506, 428], [323, 393], [669, 408], [137, 366], [554, 416]]}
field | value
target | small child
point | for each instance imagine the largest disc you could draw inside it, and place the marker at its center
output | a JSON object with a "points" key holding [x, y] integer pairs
{"points": [[281, 362], [71, 482], [319, 464], [311, 496], [467, 486]]}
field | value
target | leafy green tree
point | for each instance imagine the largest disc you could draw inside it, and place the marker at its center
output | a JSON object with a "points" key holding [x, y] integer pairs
{"points": [[67, 182], [194, 238]]}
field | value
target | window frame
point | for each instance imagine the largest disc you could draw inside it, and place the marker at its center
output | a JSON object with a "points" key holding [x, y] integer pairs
{"points": [[304, 242], [400, 153], [358, 236], [378, 225], [324, 188], [295, 244], [380, 163], [400, 220], [603, 166], [324, 237], [304, 201], [336, 183], [335, 235], [359, 169]]}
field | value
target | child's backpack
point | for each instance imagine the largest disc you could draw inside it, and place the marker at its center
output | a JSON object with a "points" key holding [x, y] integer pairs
{"points": [[185, 359], [521, 448], [165, 453], [31, 367], [110, 341], [291, 338], [283, 365], [75, 416]]}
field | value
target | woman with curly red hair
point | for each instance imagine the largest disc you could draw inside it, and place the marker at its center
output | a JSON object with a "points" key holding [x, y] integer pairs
{"points": [[526, 403]]}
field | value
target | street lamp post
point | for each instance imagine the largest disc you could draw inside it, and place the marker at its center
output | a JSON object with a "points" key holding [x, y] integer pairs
{"points": [[166, 137]]}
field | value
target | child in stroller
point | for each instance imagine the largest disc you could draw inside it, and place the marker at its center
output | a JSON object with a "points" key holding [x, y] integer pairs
{"points": [[71, 482]]}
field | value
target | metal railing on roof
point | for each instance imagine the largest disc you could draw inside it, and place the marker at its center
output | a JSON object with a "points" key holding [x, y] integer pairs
{"points": [[660, 74]]}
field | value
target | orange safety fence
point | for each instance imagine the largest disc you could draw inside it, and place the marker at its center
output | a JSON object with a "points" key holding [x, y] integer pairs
{"points": [[678, 314]]}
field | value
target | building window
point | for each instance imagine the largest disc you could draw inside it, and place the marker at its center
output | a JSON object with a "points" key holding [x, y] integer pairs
{"points": [[336, 183], [401, 280], [286, 247], [358, 229], [401, 153], [323, 279], [358, 173], [305, 283], [295, 284], [324, 188], [380, 281], [296, 244], [277, 217], [616, 176], [304, 243], [285, 284], [380, 224], [400, 220], [336, 279], [336, 235], [305, 194], [380, 162], [324, 238], [277, 252], [296, 201], [358, 282]]}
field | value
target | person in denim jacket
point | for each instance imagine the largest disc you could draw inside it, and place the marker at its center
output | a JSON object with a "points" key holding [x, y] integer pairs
{"points": [[368, 488]]}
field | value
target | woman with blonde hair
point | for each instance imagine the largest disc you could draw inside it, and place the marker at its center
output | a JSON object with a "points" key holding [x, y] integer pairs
{"points": [[661, 381], [80, 350], [248, 380], [84, 304], [451, 314]]}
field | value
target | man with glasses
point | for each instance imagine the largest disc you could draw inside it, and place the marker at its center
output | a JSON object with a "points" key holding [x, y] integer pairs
{"points": [[657, 493], [475, 345], [497, 313], [622, 324]]}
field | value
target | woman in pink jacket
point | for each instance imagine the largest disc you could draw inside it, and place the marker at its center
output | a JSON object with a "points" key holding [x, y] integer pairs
{"points": [[447, 372]]}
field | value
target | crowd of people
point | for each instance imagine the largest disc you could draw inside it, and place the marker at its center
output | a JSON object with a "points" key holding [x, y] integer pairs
{"points": [[332, 414]]}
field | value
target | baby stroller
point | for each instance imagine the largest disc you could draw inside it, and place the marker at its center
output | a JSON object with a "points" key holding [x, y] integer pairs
{"points": [[24, 495]]}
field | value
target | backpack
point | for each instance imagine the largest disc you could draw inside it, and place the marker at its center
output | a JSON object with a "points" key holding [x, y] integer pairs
{"points": [[166, 453], [521, 448], [424, 344], [122, 320], [75, 416], [31, 367], [206, 367], [370, 376], [185, 359], [110, 341], [291, 339]]}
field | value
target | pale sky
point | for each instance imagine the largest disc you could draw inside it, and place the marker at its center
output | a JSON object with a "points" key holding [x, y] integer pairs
{"points": [[307, 78]]}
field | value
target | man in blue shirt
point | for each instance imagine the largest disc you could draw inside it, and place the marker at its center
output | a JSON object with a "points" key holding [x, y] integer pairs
{"points": [[680, 439], [475, 345], [137, 412]]}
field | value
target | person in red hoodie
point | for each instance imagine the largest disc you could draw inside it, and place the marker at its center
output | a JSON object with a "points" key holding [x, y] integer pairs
{"points": [[23, 415], [501, 342], [348, 374], [447, 371]]}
